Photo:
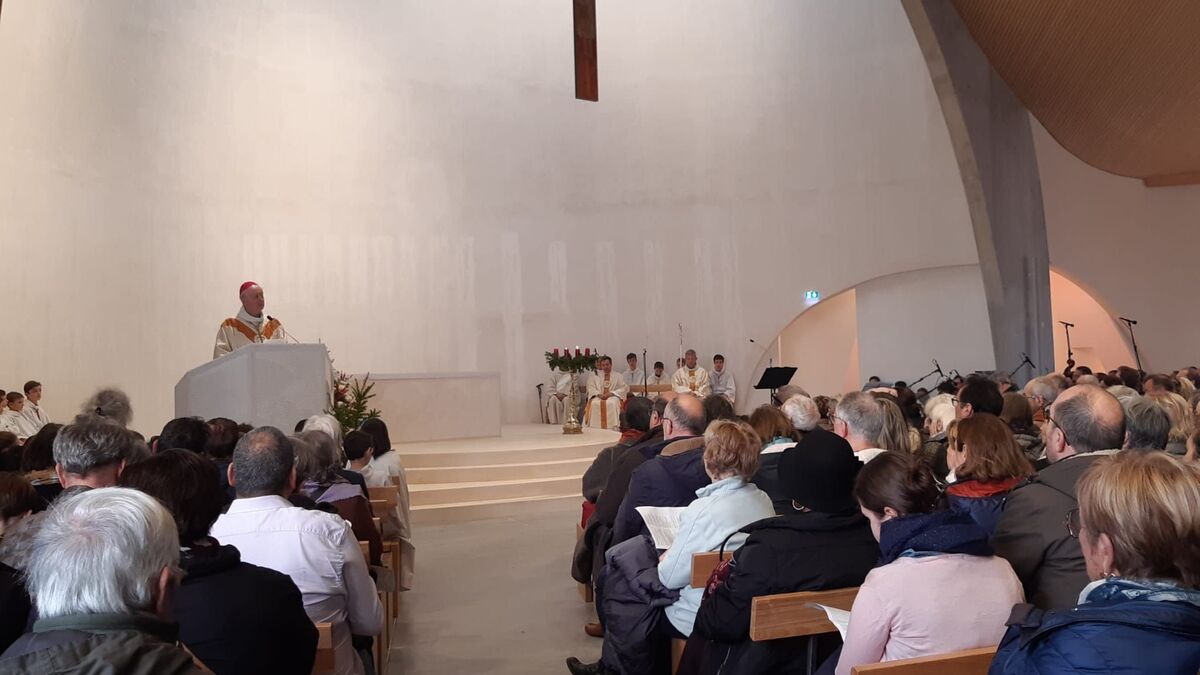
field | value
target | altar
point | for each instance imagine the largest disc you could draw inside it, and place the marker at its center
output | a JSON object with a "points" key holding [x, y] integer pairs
{"points": [[438, 406]]}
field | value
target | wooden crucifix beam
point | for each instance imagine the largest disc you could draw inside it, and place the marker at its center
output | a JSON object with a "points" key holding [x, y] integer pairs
{"points": [[587, 79]]}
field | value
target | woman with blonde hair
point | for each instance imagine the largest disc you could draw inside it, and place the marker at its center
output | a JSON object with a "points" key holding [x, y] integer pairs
{"points": [[895, 434], [1138, 523], [1182, 421]]}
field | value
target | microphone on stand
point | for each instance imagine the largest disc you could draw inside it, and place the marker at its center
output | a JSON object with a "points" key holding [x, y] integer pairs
{"points": [[1071, 325], [1129, 321], [286, 335], [938, 367]]}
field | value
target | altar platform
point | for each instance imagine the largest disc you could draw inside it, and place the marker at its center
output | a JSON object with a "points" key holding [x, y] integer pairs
{"points": [[527, 469]]}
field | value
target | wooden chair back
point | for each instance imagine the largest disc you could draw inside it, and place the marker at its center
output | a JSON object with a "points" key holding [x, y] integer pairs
{"points": [[788, 615], [324, 662], [966, 662], [366, 550], [703, 565], [389, 494]]}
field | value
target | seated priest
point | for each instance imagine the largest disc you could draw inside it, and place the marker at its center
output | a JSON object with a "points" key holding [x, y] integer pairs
{"points": [[250, 326], [691, 378], [606, 392]]}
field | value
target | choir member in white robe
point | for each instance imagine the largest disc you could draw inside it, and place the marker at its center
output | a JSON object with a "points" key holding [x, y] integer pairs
{"points": [[691, 378], [722, 380], [13, 421], [557, 396], [250, 326], [633, 376], [658, 377], [33, 410], [606, 391]]}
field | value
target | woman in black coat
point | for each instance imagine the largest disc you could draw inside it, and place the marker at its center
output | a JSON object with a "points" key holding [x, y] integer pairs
{"points": [[824, 543]]}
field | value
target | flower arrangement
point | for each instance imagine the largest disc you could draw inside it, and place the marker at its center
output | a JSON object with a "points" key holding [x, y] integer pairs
{"points": [[576, 362], [350, 400]]}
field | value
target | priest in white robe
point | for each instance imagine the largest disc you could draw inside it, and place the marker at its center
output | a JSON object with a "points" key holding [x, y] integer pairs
{"points": [[558, 393], [606, 392], [722, 380], [691, 378], [634, 376], [250, 326]]}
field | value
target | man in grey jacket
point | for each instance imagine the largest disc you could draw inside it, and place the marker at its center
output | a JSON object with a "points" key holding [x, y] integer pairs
{"points": [[1085, 422]]}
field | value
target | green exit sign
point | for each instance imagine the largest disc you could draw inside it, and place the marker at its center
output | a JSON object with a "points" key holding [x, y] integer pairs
{"points": [[812, 296]]}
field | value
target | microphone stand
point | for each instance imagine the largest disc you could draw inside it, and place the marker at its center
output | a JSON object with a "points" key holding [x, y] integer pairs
{"points": [[1129, 323], [645, 374], [1024, 360], [913, 385], [1070, 354]]}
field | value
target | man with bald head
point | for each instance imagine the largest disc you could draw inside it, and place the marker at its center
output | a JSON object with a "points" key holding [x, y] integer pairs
{"points": [[1084, 423], [250, 326]]}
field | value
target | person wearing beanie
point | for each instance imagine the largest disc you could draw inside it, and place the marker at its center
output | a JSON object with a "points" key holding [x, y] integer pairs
{"points": [[822, 543]]}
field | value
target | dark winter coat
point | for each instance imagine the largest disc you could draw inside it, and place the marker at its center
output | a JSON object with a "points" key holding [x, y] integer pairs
{"points": [[670, 479], [796, 552], [634, 599], [129, 644]]}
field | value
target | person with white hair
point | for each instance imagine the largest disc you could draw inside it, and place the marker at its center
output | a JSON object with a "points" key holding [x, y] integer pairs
{"points": [[802, 412], [251, 325], [859, 418], [110, 403], [103, 573], [937, 423]]}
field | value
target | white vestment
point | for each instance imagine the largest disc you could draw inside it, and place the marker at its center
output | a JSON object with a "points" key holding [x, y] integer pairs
{"points": [[556, 409], [36, 415], [655, 380], [605, 413], [17, 423], [634, 378], [723, 384], [246, 330], [691, 381]]}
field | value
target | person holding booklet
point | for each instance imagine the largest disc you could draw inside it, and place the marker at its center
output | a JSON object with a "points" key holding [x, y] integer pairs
{"points": [[821, 543], [638, 631], [938, 588]]}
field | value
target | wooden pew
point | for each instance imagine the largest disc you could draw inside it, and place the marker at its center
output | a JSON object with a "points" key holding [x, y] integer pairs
{"points": [[966, 662], [384, 499], [773, 617], [703, 565], [325, 661]]}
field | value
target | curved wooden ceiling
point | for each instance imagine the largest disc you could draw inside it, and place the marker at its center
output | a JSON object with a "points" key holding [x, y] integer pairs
{"points": [[1116, 82]]}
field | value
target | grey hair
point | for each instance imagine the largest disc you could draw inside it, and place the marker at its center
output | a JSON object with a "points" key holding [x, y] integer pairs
{"points": [[934, 401], [802, 412], [942, 412], [1081, 421], [101, 552], [1043, 388], [317, 457], [862, 414], [111, 404], [681, 418], [327, 423], [91, 443], [1147, 424], [262, 462]]}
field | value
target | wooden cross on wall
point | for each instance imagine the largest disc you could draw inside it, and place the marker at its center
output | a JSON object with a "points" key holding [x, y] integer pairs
{"points": [[587, 80]]}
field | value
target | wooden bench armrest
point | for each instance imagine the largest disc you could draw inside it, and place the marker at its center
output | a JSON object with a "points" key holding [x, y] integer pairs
{"points": [[703, 565], [789, 615], [324, 661], [965, 662]]}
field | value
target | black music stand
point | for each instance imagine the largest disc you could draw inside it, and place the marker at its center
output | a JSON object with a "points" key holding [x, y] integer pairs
{"points": [[775, 378]]}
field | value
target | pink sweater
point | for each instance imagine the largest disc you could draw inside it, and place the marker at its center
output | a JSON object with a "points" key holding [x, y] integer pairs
{"points": [[924, 606]]}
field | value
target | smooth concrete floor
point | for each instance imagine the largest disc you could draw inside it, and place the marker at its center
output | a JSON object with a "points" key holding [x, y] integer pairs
{"points": [[494, 597]]}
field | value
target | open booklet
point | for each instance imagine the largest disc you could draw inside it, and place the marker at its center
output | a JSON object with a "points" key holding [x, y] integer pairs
{"points": [[663, 523], [840, 618]]}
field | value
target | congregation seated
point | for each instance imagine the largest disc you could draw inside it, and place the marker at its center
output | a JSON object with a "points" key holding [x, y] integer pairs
{"points": [[776, 432], [636, 422], [822, 542], [110, 404], [674, 474], [223, 436], [1083, 424], [183, 433], [18, 500], [936, 567], [1182, 420], [235, 617], [92, 452], [896, 433], [103, 574], [37, 462], [1147, 425], [386, 468], [939, 415], [643, 611], [985, 465], [318, 478], [1138, 523], [717, 407], [317, 550]]}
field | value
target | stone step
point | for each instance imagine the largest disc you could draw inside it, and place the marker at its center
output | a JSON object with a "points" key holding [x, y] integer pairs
{"points": [[494, 472], [459, 512], [453, 493], [427, 459]]}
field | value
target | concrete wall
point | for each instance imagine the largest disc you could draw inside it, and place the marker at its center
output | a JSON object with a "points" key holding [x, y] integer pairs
{"points": [[1129, 246], [414, 184]]}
